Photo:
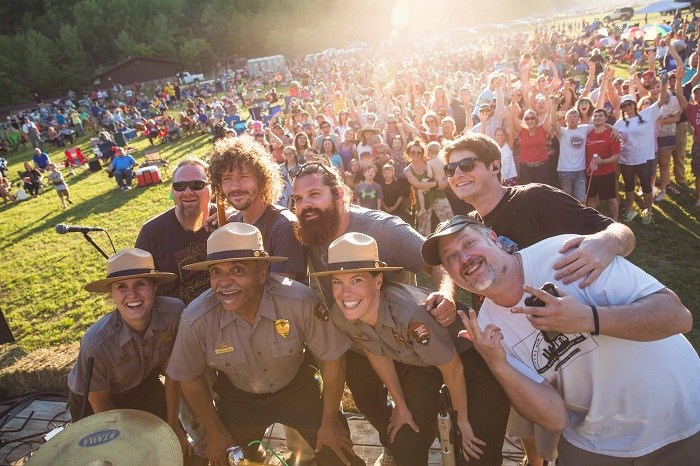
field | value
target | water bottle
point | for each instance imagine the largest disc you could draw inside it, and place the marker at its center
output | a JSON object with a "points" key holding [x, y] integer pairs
{"points": [[235, 455]]}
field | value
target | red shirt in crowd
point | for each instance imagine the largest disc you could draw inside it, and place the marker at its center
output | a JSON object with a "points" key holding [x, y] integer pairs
{"points": [[603, 145]]}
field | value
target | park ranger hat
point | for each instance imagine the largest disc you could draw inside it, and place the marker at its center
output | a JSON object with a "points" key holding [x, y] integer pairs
{"points": [[232, 242], [354, 252], [429, 250], [126, 264]]}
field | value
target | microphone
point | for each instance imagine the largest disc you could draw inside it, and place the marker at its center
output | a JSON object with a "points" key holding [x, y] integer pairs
{"points": [[62, 229]]}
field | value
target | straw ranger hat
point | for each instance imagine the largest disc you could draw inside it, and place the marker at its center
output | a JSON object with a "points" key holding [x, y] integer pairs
{"points": [[232, 242], [354, 252], [126, 264]]}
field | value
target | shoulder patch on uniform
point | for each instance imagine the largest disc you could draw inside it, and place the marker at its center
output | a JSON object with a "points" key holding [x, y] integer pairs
{"points": [[419, 332], [321, 312], [166, 336]]}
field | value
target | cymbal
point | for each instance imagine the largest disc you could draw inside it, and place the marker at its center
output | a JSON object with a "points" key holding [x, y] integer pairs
{"points": [[112, 438]]}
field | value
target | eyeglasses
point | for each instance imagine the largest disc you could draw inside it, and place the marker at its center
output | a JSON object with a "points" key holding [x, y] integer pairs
{"points": [[307, 168], [465, 165], [194, 185], [530, 118]]}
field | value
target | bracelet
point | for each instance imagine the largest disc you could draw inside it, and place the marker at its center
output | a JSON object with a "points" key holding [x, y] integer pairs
{"points": [[596, 322]]}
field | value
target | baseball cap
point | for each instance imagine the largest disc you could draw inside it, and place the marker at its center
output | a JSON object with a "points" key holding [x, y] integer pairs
{"points": [[648, 73], [429, 250], [628, 98]]}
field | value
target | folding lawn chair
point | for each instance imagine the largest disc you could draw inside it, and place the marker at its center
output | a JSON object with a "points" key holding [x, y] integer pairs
{"points": [[153, 159]]}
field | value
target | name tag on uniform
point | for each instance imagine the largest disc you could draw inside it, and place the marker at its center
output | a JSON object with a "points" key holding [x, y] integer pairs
{"points": [[223, 348]]}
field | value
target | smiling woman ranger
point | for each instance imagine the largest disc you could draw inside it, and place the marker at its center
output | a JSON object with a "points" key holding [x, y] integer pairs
{"points": [[411, 352], [131, 345]]}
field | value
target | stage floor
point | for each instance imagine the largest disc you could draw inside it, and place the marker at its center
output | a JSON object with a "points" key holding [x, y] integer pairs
{"points": [[27, 425]]}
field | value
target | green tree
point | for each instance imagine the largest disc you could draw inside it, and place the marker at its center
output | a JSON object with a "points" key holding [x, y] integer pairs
{"points": [[40, 53], [193, 52], [73, 61]]}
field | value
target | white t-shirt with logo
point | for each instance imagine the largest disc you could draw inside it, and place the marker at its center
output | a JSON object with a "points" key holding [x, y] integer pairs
{"points": [[572, 148], [623, 398]]}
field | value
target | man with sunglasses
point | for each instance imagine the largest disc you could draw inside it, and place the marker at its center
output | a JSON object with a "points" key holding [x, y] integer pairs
{"points": [[177, 237], [322, 204], [530, 213]]}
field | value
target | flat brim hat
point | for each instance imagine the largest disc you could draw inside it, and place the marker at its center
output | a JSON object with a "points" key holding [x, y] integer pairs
{"points": [[127, 264], [354, 252], [234, 242], [430, 251]]}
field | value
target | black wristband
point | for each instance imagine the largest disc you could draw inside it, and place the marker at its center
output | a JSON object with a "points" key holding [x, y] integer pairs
{"points": [[596, 322]]}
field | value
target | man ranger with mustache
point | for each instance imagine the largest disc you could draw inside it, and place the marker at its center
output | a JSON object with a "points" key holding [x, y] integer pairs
{"points": [[258, 331]]}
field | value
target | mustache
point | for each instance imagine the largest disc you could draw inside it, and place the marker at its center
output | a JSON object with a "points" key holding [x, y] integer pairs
{"points": [[237, 192], [228, 289], [469, 264], [309, 211]]}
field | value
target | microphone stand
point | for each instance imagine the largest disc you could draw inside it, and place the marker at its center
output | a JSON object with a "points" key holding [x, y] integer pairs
{"points": [[99, 249]]}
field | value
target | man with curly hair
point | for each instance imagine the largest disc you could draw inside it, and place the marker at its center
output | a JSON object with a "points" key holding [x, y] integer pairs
{"points": [[245, 174]]}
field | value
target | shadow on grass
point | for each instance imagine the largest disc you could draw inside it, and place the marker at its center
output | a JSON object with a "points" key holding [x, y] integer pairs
{"points": [[106, 202]]}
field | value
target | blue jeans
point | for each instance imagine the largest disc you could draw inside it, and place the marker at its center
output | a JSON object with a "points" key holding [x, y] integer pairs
{"points": [[574, 184], [123, 177]]}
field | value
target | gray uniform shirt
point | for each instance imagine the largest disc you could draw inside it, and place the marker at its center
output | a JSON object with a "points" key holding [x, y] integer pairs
{"points": [[123, 358], [404, 332], [264, 357]]}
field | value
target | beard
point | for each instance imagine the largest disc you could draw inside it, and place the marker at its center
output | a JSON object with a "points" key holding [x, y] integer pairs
{"points": [[318, 231], [191, 216], [245, 202]]}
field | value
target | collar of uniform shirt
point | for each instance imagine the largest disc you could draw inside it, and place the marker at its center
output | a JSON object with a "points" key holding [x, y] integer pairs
{"points": [[266, 308]]}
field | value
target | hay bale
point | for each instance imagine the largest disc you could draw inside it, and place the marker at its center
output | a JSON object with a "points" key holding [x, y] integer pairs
{"points": [[42, 370]]}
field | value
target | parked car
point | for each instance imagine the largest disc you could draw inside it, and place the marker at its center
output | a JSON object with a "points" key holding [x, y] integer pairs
{"points": [[624, 14], [189, 78]]}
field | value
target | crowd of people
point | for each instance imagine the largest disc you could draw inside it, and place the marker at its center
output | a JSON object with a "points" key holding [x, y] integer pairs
{"points": [[510, 143]]}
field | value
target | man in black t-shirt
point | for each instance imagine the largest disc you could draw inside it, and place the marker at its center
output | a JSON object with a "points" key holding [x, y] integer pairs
{"points": [[530, 213], [177, 237]]}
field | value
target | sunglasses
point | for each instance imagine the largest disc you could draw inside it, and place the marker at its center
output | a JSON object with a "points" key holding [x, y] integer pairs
{"points": [[307, 168], [530, 118], [416, 152], [194, 185], [465, 165]]}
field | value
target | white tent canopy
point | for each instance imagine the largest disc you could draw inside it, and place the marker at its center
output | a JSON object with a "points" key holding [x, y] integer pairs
{"points": [[658, 7]]}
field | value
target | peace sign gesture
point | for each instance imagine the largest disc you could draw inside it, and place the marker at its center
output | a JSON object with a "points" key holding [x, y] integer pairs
{"points": [[486, 342]]}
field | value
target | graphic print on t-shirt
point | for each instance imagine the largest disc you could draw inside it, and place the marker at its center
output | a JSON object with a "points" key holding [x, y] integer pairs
{"points": [[550, 354], [192, 285], [577, 142]]}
